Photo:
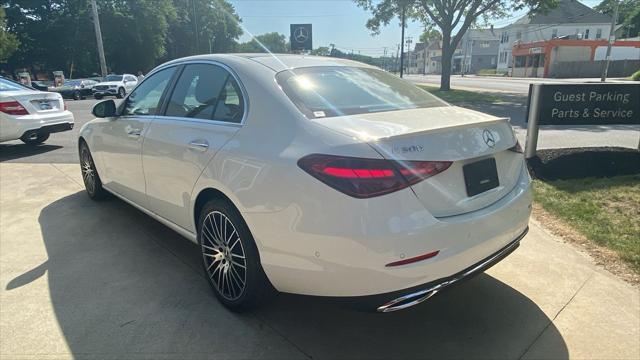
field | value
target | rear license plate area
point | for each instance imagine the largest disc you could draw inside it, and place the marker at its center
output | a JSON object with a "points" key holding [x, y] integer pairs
{"points": [[480, 176]]}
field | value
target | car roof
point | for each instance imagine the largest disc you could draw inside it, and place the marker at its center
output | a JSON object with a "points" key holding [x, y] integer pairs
{"points": [[277, 62]]}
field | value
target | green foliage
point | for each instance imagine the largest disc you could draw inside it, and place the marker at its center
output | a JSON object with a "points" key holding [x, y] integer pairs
{"points": [[448, 16], [137, 35], [8, 41], [270, 42], [430, 35], [605, 210], [628, 15], [636, 76], [321, 51]]}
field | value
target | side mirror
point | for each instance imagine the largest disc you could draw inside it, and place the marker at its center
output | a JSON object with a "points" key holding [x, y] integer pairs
{"points": [[103, 109]]}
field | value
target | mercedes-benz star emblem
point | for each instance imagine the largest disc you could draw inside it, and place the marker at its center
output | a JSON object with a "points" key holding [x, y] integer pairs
{"points": [[489, 138], [300, 35]]}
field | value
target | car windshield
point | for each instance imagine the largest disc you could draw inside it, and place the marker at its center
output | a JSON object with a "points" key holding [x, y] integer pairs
{"points": [[8, 85], [113, 78], [329, 91], [72, 83]]}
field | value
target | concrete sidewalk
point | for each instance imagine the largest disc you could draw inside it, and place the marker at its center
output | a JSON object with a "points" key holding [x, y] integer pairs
{"points": [[101, 280]]}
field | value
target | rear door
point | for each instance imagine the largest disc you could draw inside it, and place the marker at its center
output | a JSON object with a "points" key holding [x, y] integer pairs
{"points": [[121, 137], [202, 114]]}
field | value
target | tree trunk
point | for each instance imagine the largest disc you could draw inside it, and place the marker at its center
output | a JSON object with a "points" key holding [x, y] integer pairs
{"points": [[447, 54]]}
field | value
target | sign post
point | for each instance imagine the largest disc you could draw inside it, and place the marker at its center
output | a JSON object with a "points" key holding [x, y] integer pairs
{"points": [[580, 104]]}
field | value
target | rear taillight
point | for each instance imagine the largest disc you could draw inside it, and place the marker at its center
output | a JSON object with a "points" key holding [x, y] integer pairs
{"points": [[13, 108], [364, 178], [517, 147]]}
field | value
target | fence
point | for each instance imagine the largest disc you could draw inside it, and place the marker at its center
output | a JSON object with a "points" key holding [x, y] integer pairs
{"points": [[589, 69]]}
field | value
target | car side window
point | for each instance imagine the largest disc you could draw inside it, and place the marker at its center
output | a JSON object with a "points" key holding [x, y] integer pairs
{"points": [[208, 92], [145, 99]]}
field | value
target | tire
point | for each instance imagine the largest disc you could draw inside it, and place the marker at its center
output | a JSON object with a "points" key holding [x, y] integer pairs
{"points": [[77, 95], [232, 266], [121, 93], [90, 177], [97, 97], [42, 137]]}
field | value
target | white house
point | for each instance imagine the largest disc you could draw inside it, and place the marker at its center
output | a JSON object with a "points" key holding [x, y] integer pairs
{"points": [[570, 19]]}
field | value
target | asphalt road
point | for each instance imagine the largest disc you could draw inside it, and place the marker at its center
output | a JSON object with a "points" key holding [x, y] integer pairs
{"points": [[491, 83]]}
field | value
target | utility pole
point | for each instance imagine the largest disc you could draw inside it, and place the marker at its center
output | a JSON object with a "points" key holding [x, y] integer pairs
{"points": [[384, 59], [195, 24], [409, 53], [612, 38], [96, 25], [402, 40]]}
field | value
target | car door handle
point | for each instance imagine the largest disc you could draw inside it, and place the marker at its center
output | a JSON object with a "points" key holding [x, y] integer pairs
{"points": [[133, 132], [200, 145]]}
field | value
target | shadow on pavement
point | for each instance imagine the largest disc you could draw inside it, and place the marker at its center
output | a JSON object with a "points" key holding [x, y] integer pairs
{"points": [[17, 151], [122, 284]]}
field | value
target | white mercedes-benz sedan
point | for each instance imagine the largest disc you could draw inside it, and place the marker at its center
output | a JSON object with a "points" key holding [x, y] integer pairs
{"points": [[312, 175], [31, 115]]}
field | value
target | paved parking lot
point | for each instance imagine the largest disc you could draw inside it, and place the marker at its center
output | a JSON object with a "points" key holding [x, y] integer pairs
{"points": [[59, 148], [101, 280]]}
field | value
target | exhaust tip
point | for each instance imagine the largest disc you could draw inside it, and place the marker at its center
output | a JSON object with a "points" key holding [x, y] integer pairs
{"points": [[410, 300]]}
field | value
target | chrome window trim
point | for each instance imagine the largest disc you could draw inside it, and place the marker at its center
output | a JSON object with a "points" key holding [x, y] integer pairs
{"points": [[245, 97]]}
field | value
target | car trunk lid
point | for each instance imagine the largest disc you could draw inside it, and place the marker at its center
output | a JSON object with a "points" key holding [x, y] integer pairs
{"points": [[461, 136], [38, 102]]}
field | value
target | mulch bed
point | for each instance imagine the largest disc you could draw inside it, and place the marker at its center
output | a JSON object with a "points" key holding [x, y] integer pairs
{"points": [[575, 163]]}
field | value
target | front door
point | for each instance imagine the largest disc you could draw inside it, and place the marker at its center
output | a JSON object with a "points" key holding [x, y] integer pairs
{"points": [[123, 136], [203, 113]]}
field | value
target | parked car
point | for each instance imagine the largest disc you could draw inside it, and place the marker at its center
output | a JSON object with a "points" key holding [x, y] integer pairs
{"points": [[115, 85], [76, 89], [31, 115], [312, 175], [41, 85]]}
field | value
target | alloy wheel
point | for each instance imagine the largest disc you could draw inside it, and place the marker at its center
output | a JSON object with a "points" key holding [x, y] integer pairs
{"points": [[224, 255], [88, 174]]}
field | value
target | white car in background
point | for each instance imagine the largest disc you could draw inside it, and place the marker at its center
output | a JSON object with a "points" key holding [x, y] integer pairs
{"points": [[31, 115], [115, 85], [312, 175]]}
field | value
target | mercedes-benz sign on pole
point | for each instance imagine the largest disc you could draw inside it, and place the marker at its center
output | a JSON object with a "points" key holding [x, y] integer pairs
{"points": [[301, 37]]}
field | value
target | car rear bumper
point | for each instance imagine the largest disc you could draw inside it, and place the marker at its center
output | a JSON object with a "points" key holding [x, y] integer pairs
{"points": [[319, 250], [14, 128], [403, 299], [107, 92], [48, 129]]}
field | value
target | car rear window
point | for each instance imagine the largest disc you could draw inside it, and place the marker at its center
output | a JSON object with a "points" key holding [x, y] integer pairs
{"points": [[328, 91], [8, 85], [113, 78]]}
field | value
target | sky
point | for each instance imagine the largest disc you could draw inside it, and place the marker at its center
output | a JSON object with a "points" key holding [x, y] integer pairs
{"points": [[339, 22]]}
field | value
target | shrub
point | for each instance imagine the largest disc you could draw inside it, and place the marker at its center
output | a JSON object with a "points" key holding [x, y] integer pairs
{"points": [[636, 76]]}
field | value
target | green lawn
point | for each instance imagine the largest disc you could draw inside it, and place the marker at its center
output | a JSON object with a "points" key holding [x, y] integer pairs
{"points": [[605, 210], [462, 96]]}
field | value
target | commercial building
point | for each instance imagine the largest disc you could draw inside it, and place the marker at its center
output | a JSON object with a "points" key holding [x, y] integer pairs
{"points": [[570, 19], [567, 58]]}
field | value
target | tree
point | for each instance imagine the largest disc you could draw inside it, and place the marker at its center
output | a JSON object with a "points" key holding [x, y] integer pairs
{"points": [[430, 34], [8, 41], [447, 15], [321, 51], [273, 42], [628, 14], [59, 34], [217, 24]]}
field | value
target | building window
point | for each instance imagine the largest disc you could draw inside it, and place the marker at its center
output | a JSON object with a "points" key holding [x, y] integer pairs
{"points": [[493, 60], [586, 33], [519, 35], [598, 33], [554, 33]]}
